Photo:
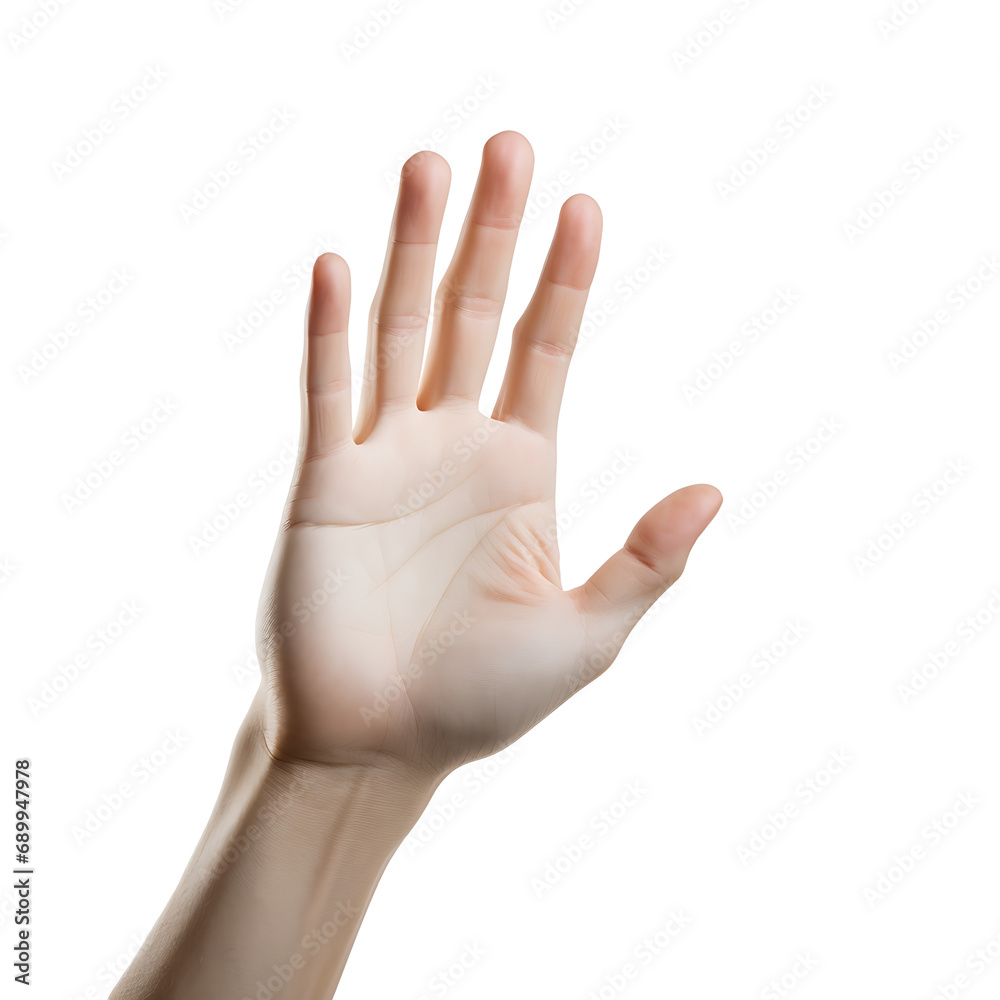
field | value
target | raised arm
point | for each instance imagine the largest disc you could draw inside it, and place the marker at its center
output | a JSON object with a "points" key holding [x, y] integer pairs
{"points": [[413, 618]]}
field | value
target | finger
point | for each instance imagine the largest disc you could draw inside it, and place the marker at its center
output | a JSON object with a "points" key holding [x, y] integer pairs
{"points": [[471, 295], [545, 335], [398, 317], [651, 560], [327, 378]]}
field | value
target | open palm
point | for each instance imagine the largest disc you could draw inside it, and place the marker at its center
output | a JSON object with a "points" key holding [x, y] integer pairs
{"points": [[413, 607]]}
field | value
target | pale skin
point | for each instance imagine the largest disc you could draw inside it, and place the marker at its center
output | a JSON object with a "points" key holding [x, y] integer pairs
{"points": [[413, 617]]}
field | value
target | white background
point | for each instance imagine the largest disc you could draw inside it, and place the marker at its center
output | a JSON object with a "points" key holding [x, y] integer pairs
{"points": [[799, 557]]}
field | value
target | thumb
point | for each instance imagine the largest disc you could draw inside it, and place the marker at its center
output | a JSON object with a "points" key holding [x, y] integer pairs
{"points": [[652, 558]]}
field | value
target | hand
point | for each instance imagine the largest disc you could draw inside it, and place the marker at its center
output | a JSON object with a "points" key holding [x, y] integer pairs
{"points": [[413, 610]]}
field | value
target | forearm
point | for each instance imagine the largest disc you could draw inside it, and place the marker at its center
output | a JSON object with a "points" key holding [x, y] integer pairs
{"points": [[278, 885]]}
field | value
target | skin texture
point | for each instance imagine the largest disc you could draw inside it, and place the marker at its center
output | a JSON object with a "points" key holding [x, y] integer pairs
{"points": [[432, 517], [412, 618]]}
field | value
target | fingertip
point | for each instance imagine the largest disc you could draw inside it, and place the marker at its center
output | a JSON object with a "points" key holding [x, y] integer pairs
{"points": [[425, 172], [503, 182], [581, 225], [576, 245], [329, 266], [510, 147], [670, 528], [331, 281], [709, 496], [423, 192], [581, 210], [655, 553]]}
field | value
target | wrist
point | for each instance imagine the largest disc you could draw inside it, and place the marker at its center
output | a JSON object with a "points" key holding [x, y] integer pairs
{"points": [[281, 878], [383, 791], [308, 819]]}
